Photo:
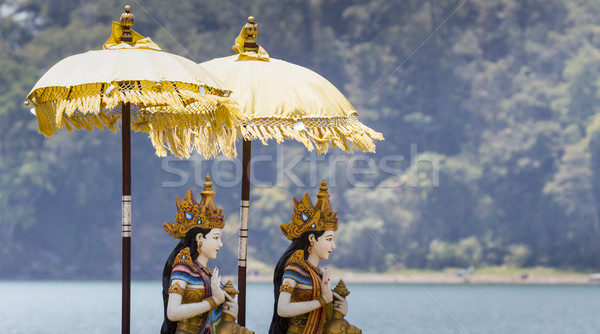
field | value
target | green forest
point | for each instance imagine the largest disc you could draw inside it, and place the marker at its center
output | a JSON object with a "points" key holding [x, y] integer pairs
{"points": [[490, 111]]}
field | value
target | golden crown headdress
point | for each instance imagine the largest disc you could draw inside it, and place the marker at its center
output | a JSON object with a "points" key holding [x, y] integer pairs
{"points": [[191, 214], [307, 217]]}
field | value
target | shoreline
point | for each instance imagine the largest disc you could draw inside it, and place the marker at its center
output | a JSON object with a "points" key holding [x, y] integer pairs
{"points": [[449, 279]]}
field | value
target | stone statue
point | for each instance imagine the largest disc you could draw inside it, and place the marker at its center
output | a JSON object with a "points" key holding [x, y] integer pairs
{"points": [[304, 301], [194, 300]]}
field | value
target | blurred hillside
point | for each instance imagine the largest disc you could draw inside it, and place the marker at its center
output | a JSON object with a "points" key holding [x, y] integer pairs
{"points": [[490, 110]]}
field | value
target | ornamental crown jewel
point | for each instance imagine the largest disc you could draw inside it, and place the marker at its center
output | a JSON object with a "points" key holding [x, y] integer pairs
{"points": [[307, 217], [191, 214]]}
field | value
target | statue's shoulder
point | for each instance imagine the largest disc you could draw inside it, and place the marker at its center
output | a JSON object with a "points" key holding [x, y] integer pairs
{"points": [[184, 258], [296, 261], [185, 270]]}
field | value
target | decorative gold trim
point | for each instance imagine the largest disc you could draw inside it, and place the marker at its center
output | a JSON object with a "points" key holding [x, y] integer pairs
{"points": [[314, 268], [321, 301], [179, 117], [187, 328], [190, 213], [307, 217], [204, 268], [345, 133], [176, 288], [286, 287], [212, 302], [127, 19], [184, 257], [298, 258]]}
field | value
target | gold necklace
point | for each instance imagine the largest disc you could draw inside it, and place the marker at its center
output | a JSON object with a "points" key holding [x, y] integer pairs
{"points": [[204, 268], [315, 268]]}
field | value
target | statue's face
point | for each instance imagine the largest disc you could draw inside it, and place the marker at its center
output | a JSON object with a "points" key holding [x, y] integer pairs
{"points": [[211, 243], [324, 245]]}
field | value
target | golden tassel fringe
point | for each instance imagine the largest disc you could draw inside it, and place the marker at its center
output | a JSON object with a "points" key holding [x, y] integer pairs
{"points": [[180, 119], [177, 120], [346, 134]]}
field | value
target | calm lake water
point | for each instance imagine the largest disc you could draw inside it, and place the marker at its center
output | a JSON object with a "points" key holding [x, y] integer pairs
{"points": [[94, 307]]}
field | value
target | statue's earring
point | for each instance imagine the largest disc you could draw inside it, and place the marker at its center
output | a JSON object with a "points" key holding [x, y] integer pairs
{"points": [[199, 247], [312, 243]]}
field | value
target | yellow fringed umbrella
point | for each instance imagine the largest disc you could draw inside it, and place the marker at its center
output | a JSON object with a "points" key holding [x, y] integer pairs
{"points": [[181, 106], [282, 101]]}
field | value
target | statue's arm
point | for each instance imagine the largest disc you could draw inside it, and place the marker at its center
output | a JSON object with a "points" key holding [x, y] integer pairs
{"points": [[176, 311], [286, 308]]}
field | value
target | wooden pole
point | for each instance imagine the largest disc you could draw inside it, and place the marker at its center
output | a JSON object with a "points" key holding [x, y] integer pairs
{"points": [[126, 219], [242, 251]]}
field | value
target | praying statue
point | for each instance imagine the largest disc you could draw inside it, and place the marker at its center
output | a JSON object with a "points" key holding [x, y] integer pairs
{"points": [[304, 300], [195, 302]]}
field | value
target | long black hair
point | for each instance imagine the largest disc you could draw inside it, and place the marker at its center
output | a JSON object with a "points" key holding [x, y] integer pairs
{"points": [[168, 326], [279, 324]]}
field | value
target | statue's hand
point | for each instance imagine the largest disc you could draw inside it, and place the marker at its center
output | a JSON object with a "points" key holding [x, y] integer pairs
{"points": [[340, 304], [325, 288], [230, 307], [215, 286]]}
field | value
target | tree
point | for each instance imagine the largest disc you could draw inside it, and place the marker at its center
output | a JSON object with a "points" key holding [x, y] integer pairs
{"points": [[23, 174]]}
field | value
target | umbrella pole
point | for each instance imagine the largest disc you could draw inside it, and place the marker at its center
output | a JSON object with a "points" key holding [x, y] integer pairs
{"points": [[126, 219], [244, 209]]}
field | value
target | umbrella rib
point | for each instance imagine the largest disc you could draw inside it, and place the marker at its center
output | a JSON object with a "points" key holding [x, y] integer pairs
{"points": [[101, 97], [43, 93], [69, 93], [178, 93], [139, 86]]}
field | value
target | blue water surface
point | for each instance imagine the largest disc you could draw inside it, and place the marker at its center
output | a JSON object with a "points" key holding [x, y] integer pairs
{"points": [[95, 307]]}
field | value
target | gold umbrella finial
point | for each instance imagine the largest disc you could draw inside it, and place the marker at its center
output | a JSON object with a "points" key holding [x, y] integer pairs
{"points": [[250, 29], [245, 44], [127, 20]]}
